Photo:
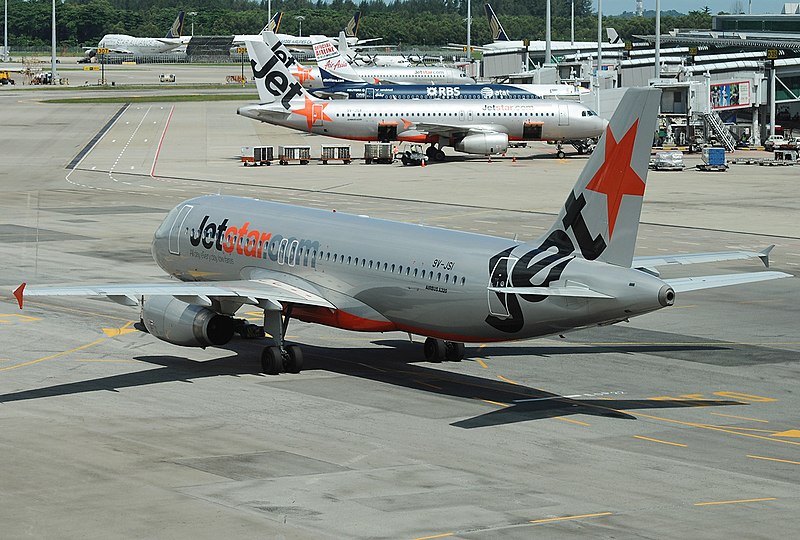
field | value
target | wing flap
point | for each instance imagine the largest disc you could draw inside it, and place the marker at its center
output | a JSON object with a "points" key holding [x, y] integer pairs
{"points": [[709, 282]]}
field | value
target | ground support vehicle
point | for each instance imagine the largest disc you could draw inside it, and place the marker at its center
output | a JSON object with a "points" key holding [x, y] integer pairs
{"points": [[335, 152], [287, 154]]}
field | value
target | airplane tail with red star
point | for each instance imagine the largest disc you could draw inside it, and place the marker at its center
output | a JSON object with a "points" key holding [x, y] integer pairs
{"points": [[271, 72], [600, 219]]}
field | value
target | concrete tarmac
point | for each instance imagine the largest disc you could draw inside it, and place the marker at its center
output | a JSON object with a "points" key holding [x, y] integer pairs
{"points": [[684, 422]]}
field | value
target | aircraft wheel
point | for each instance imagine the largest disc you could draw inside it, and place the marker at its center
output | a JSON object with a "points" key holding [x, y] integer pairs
{"points": [[294, 362], [560, 154], [434, 350], [454, 351], [271, 360], [439, 156]]}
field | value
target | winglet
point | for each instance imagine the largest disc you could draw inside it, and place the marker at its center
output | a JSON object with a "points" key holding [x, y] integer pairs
{"points": [[18, 294], [764, 255]]}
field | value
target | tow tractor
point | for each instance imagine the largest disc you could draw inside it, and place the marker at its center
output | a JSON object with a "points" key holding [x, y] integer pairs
{"points": [[413, 155], [583, 146]]}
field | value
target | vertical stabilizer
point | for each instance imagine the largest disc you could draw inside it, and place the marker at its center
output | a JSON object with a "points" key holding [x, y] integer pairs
{"points": [[351, 30], [498, 34], [333, 67], [601, 216], [274, 81], [176, 30], [274, 24]]}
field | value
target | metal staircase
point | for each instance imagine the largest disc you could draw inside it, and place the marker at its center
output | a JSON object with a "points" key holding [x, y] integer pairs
{"points": [[721, 130]]}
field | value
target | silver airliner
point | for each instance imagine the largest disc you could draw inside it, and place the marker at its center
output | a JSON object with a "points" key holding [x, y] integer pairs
{"points": [[475, 127], [366, 274]]}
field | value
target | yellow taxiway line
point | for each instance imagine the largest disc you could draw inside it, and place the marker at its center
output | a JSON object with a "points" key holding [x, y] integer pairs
{"points": [[735, 502]]}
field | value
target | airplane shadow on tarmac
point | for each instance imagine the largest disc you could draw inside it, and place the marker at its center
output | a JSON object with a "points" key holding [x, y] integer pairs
{"points": [[396, 363]]}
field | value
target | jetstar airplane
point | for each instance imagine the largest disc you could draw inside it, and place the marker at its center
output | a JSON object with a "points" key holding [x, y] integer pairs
{"points": [[345, 83], [124, 44], [360, 273], [481, 127]]}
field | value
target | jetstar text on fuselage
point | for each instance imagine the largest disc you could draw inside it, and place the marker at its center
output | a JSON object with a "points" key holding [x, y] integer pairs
{"points": [[251, 242]]}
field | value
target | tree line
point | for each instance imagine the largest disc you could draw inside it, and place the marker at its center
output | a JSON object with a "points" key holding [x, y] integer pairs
{"points": [[426, 23]]}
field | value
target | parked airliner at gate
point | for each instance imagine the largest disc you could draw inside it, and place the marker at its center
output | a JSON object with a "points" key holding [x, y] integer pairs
{"points": [[366, 274]]}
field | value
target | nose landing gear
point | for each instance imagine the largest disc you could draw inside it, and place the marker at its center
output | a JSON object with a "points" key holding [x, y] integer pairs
{"points": [[279, 357]]}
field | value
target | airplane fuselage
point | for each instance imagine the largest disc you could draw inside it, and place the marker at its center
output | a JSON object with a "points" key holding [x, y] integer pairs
{"points": [[535, 119], [122, 43], [384, 275], [312, 77], [447, 91]]}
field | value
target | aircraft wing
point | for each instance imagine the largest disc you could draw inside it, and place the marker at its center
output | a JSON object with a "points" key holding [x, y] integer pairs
{"points": [[710, 282], [449, 130], [694, 258], [255, 292]]}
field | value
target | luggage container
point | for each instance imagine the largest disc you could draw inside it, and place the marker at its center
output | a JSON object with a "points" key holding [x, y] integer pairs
{"points": [[257, 155], [669, 161], [713, 160], [287, 154], [378, 152], [335, 152]]}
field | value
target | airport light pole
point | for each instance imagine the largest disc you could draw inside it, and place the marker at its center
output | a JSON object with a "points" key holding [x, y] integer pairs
{"points": [[599, 53], [300, 19], [5, 34], [658, 39], [469, 33], [53, 74], [192, 13], [572, 25], [547, 52]]}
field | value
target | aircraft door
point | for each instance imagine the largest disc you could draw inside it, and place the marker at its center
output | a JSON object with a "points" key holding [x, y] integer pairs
{"points": [[177, 226], [563, 114], [291, 254], [500, 277], [316, 115], [369, 93], [461, 115]]}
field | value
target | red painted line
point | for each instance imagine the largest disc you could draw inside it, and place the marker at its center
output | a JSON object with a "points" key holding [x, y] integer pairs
{"points": [[160, 142]]}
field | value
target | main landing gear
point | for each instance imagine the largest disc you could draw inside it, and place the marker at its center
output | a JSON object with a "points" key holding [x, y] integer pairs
{"points": [[437, 350], [279, 357], [435, 154]]}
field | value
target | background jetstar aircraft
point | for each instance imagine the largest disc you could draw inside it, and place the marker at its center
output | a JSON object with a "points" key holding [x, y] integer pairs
{"points": [[124, 44], [345, 82], [360, 273], [476, 127]]}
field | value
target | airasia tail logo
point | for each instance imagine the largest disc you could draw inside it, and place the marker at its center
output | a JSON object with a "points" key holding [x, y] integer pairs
{"points": [[251, 242], [277, 79]]}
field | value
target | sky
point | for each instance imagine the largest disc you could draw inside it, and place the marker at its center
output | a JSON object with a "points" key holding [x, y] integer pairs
{"points": [[615, 7]]}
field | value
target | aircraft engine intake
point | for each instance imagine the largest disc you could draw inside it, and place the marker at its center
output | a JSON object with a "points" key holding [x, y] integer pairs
{"points": [[483, 143], [177, 322]]}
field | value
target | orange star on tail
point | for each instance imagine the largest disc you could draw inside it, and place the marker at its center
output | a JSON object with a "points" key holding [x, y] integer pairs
{"points": [[615, 178]]}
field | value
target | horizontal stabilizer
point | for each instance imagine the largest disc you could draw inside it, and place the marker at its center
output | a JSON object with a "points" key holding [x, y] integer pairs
{"points": [[575, 292], [698, 258], [710, 282]]}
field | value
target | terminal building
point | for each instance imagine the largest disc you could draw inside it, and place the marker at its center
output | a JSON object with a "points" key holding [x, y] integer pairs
{"points": [[722, 85]]}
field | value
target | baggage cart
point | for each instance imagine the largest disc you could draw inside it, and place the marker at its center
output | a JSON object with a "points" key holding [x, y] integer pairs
{"points": [[258, 155], [335, 152], [287, 154], [713, 160], [378, 152], [668, 161]]}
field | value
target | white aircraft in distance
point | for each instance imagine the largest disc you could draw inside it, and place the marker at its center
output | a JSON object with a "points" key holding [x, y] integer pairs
{"points": [[473, 126], [313, 77], [501, 40], [124, 44], [273, 25], [303, 43], [367, 274]]}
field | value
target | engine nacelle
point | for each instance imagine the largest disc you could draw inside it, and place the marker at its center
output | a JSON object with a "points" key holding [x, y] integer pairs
{"points": [[177, 322], [483, 143]]}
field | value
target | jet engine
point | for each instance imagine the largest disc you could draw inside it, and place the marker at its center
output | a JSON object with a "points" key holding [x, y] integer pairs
{"points": [[483, 143], [177, 322]]}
